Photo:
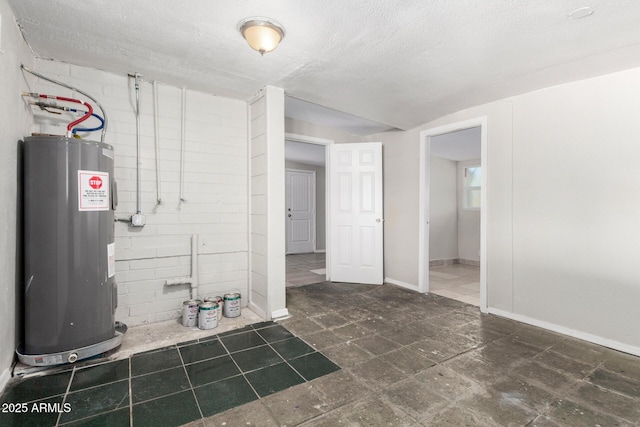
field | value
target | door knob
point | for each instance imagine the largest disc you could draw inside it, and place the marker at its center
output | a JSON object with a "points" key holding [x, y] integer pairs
{"points": [[379, 220], [289, 215]]}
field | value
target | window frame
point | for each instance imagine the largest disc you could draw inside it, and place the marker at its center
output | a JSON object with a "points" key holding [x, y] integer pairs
{"points": [[466, 189]]}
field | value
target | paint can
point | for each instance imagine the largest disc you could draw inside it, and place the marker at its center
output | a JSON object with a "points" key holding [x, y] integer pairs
{"points": [[190, 312], [231, 305], [208, 315], [218, 300]]}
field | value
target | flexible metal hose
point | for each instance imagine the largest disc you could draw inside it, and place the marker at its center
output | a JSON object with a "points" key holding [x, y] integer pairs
{"points": [[104, 113]]}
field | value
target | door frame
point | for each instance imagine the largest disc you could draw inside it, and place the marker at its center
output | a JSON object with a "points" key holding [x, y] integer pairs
{"points": [[424, 198], [327, 167], [313, 199]]}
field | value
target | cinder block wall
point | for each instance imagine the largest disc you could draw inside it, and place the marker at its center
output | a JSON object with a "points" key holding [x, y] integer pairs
{"points": [[215, 187]]}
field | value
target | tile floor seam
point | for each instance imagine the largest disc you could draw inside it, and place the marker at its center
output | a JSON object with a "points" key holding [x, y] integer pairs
{"points": [[269, 411], [173, 393], [592, 407], [130, 393], [66, 394], [237, 366], [146, 374], [588, 405], [193, 392], [96, 386], [92, 416], [294, 369], [214, 382], [244, 349], [385, 399]]}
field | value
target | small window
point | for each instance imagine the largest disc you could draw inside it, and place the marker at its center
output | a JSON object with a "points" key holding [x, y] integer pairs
{"points": [[472, 187]]}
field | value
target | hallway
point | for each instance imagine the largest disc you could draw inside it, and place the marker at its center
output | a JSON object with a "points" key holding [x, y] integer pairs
{"points": [[305, 269]]}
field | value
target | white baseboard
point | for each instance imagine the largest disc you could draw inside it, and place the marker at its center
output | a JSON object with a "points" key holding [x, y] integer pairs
{"points": [[320, 251], [278, 314], [4, 379], [257, 310], [568, 331], [401, 284]]}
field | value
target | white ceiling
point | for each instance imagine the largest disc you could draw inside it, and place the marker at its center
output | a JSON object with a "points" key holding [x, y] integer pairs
{"points": [[310, 154], [457, 146], [399, 63]]}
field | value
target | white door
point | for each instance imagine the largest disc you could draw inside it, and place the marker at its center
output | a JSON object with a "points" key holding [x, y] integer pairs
{"points": [[300, 193], [356, 223]]}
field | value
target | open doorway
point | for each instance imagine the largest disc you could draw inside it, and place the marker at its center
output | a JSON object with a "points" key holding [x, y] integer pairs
{"points": [[454, 215], [453, 212], [305, 210]]}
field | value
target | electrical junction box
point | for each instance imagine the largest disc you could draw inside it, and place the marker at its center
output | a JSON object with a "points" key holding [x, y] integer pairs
{"points": [[138, 220]]}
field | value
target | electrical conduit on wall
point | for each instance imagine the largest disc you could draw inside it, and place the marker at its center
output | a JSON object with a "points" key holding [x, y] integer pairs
{"points": [[182, 145], [156, 136]]}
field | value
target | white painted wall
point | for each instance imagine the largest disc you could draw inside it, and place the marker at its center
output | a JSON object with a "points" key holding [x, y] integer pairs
{"points": [[443, 210], [15, 122], [215, 189], [468, 220], [320, 200], [267, 261], [562, 206]]}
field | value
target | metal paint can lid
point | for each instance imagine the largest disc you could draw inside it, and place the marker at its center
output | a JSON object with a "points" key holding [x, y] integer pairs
{"points": [[208, 305], [232, 296], [191, 302]]}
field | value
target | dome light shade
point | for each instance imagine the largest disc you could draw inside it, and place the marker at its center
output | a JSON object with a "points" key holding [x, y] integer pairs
{"points": [[262, 34]]}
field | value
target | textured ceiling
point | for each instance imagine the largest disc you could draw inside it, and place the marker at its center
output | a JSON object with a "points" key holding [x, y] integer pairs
{"points": [[399, 63]]}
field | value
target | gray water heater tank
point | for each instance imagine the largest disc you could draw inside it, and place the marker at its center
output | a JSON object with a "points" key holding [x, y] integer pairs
{"points": [[69, 252]]}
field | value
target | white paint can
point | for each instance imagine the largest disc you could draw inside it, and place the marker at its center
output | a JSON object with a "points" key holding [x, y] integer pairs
{"points": [[231, 305], [218, 300], [208, 315], [190, 313]]}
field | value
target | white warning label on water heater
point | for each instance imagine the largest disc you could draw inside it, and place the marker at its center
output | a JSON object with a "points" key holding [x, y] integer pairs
{"points": [[93, 191], [111, 259]]}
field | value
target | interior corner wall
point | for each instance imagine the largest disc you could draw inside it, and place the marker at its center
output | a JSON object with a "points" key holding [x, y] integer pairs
{"points": [[267, 226], [400, 152], [562, 206], [468, 220], [443, 209], [15, 122], [320, 200]]}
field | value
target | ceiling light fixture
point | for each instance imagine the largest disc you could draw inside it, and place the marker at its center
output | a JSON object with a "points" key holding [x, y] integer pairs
{"points": [[262, 34]]}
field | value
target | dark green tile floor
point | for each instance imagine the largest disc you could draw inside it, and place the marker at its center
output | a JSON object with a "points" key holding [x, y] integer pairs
{"points": [[169, 386]]}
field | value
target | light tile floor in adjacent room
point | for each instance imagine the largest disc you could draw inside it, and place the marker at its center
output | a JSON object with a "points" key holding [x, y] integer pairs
{"points": [[300, 266], [460, 282]]}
